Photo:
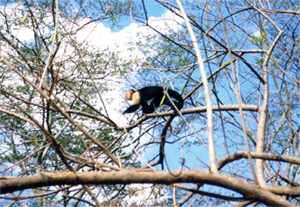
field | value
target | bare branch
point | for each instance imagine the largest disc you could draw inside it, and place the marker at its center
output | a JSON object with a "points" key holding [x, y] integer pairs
{"points": [[55, 44], [263, 111], [254, 155], [202, 109], [131, 176], [211, 145]]}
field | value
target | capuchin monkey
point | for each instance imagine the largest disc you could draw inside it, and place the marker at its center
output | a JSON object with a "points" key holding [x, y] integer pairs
{"points": [[151, 97]]}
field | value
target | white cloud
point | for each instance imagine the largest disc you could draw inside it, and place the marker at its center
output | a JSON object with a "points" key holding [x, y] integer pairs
{"points": [[23, 34], [127, 40], [167, 23]]}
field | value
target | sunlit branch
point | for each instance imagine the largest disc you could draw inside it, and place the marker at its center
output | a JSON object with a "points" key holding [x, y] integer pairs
{"points": [[254, 155], [43, 179], [211, 146], [202, 109], [263, 110]]}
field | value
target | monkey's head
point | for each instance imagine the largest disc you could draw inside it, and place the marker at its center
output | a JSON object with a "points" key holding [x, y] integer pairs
{"points": [[128, 95], [133, 97]]}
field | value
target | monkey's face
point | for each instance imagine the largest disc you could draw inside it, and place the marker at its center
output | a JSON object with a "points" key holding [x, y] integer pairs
{"points": [[128, 95], [133, 97]]}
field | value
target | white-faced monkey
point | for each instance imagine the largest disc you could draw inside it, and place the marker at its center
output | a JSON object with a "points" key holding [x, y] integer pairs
{"points": [[151, 97]]}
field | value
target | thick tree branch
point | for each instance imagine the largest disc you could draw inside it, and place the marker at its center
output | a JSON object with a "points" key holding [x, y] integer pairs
{"points": [[210, 194], [249, 191]]}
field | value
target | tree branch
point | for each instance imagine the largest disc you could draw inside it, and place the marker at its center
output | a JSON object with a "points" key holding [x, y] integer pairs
{"points": [[131, 176], [211, 145], [234, 107], [264, 156], [263, 111]]}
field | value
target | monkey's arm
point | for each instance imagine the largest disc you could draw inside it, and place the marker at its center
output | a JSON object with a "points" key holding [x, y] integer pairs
{"points": [[132, 108]]}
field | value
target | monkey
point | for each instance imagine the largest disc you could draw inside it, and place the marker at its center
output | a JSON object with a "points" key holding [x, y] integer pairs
{"points": [[151, 97]]}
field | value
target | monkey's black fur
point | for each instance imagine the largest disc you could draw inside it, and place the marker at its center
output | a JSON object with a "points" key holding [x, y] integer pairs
{"points": [[151, 97]]}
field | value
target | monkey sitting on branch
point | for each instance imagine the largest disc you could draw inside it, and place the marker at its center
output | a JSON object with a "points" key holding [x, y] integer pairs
{"points": [[151, 97]]}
